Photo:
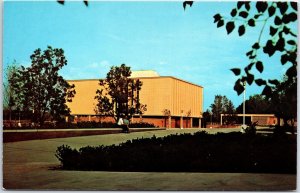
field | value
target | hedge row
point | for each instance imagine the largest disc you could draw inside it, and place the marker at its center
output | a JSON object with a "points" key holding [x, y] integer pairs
{"points": [[201, 152], [86, 124]]}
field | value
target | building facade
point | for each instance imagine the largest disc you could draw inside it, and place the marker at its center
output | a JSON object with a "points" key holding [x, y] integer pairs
{"points": [[183, 100]]}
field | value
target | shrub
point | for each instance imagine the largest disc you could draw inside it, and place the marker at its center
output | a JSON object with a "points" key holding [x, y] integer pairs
{"points": [[141, 125], [201, 152], [68, 157]]}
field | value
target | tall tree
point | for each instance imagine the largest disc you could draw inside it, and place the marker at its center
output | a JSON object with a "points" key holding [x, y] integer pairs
{"points": [[222, 105], [284, 100], [9, 94], [217, 108], [207, 117], [118, 95], [41, 89], [256, 104], [230, 112]]}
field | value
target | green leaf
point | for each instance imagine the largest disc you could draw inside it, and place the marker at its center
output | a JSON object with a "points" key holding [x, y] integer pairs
{"points": [[260, 82], [230, 27], [250, 78], [284, 58], [283, 6], [233, 13], [256, 16], [61, 2], [242, 30], [271, 11], [246, 69], [294, 5], [267, 91], [247, 5], [217, 17], [236, 71], [286, 30], [273, 30], [243, 14], [190, 3], [259, 66], [220, 23], [86, 2], [252, 57], [243, 80], [280, 44], [240, 4], [256, 46], [291, 17], [250, 65], [291, 42], [251, 22], [291, 72], [277, 21], [274, 82], [261, 6], [293, 57], [249, 53], [238, 87], [269, 48]]}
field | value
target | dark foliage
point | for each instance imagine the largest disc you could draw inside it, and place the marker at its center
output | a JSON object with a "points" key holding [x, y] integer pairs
{"points": [[62, 2], [190, 3], [256, 104], [222, 105], [278, 20], [282, 39], [40, 88], [119, 94], [284, 100], [201, 152]]}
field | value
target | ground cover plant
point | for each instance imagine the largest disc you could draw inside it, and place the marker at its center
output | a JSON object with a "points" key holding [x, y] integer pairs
{"points": [[200, 152]]}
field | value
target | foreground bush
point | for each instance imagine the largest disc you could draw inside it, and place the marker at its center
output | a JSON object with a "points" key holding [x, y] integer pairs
{"points": [[201, 152]]}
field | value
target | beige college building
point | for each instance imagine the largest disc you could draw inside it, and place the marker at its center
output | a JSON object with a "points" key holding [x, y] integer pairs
{"points": [[184, 101]]}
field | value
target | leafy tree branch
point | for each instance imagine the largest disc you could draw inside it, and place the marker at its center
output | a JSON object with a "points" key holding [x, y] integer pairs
{"points": [[278, 17]]}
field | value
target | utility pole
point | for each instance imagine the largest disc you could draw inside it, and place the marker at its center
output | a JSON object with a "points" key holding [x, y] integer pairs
{"points": [[244, 126]]}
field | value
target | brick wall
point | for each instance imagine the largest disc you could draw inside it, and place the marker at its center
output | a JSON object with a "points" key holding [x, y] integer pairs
{"points": [[83, 118]]}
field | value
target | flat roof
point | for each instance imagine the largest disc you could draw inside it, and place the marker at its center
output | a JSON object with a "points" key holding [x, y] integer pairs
{"points": [[81, 80], [144, 73], [254, 115]]}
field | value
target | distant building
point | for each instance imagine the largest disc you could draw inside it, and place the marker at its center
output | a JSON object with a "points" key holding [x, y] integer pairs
{"points": [[183, 99], [261, 119]]}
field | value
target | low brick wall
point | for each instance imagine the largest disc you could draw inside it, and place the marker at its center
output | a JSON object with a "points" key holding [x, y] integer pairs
{"points": [[21, 135]]}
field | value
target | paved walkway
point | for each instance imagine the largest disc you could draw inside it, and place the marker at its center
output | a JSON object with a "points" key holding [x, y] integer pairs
{"points": [[30, 165]]}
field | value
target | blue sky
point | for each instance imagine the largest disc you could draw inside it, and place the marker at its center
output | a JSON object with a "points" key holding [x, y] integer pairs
{"points": [[158, 36]]}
